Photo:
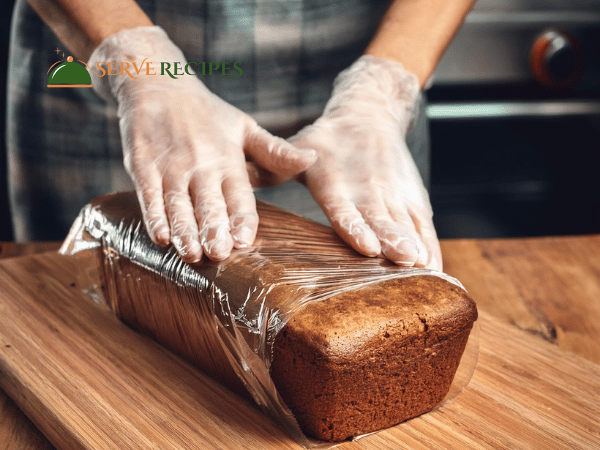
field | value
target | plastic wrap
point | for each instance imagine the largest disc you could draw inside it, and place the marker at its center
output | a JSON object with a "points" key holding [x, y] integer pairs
{"points": [[224, 316]]}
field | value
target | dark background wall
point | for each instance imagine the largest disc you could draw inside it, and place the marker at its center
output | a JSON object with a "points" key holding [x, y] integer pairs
{"points": [[6, 7]]}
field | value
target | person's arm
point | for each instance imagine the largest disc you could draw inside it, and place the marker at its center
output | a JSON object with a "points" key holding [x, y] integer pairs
{"points": [[188, 166], [416, 33], [365, 178], [83, 25]]}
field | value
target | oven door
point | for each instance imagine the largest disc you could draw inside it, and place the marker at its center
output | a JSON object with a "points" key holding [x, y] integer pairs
{"points": [[515, 168], [515, 122]]}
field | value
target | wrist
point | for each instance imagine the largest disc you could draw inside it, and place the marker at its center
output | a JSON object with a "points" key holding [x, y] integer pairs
{"points": [[131, 55], [382, 84]]}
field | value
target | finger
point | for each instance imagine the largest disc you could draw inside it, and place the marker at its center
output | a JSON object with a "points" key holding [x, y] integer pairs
{"points": [[405, 239], [259, 177], [397, 236], [184, 230], [178, 205], [148, 187], [350, 225], [154, 215], [241, 207], [210, 211], [275, 154], [423, 221]]}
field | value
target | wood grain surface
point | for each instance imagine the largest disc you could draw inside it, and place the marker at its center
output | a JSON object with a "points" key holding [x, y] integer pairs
{"points": [[547, 286], [88, 382], [13, 249], [17, 432]]}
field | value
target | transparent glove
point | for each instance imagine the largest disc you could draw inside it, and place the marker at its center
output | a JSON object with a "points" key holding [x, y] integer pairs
{"points": [[186, 149], [365, 178]]}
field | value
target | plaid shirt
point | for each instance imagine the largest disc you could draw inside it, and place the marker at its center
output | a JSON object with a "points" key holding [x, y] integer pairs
{"points": [[64, 144]]}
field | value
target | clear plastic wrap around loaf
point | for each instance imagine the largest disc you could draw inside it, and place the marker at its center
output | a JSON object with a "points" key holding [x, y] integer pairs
{"points": [[332, 344]]}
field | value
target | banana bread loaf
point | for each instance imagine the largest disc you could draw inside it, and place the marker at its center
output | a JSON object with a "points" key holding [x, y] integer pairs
{"points": [[373, 357], [364, 356]]}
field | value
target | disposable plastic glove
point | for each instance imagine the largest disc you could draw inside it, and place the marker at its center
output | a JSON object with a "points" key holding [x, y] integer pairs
{"points": [[365, 178], [185, 149]]}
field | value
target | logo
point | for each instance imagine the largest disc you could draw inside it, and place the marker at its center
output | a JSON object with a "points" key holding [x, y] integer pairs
{"points": [[77, 74], [174, 70], [69, 74]]}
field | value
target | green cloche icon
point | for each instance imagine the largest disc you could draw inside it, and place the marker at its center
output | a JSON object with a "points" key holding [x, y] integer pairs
{"points": [[69, 74]]}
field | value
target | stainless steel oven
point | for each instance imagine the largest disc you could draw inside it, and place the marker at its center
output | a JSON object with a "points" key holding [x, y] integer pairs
{"points": [[515, 121]]}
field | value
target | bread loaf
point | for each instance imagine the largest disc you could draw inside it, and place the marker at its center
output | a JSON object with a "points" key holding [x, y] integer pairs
{"points": [[350, 344], [372, 357]]}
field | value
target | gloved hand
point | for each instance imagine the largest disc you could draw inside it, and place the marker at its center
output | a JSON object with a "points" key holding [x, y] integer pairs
{"points": [[185, 149], [365, 178]]}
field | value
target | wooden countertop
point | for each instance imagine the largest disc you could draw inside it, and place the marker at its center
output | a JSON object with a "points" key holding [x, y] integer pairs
{"points": [[549, 287]]}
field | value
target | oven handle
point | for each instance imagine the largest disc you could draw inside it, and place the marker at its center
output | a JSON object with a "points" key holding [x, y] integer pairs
{"points": [[492, 110]]}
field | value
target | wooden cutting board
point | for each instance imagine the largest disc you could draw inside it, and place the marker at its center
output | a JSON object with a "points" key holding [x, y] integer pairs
{"points": [[89, 382]]}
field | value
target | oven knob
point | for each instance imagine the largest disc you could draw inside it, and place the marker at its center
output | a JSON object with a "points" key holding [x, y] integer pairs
{"points": [[556, 60]]}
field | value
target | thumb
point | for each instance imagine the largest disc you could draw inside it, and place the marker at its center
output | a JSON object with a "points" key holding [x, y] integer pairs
{"points": [[260, 177], [275, 154]]}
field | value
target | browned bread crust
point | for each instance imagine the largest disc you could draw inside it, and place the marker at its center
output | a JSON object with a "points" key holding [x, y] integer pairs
{"points": [[357, 362], [370, 358]]}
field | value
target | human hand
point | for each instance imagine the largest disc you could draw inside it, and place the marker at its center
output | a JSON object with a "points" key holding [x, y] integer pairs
{"points": [[365, 179], [185, 150]]}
